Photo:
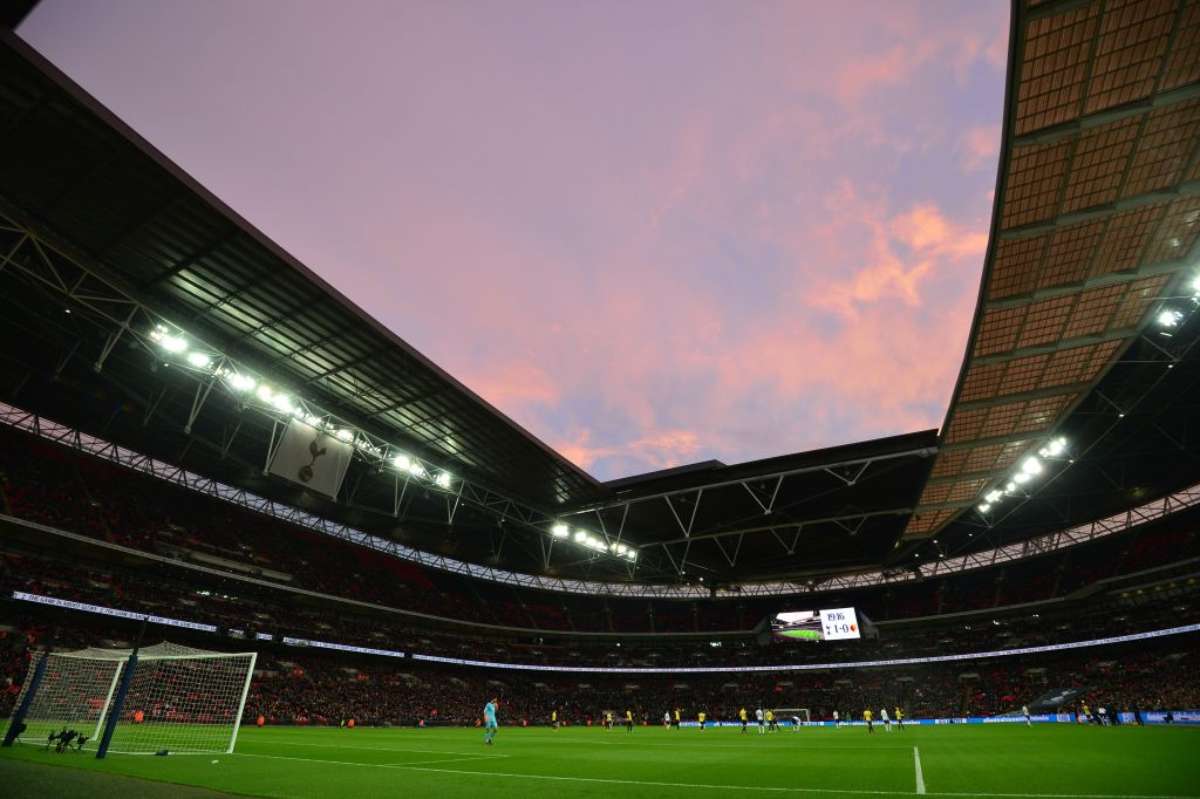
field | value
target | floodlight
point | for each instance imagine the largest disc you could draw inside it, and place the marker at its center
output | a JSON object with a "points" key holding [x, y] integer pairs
{"points": [[344, 435], [1195, 284], [443, 479], [560, 530], [402, 462], [1056, 447], [1011, 488], [174, 344], [199, 360], [265, 393], [1032, 466], [283, 402], [241, 382], [1169, 318], [632, 554], [416, 469], [580, 536], [1022, 477], [993, 495], [985, 507]]}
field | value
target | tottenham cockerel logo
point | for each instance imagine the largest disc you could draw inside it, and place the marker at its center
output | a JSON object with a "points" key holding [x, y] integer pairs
{"points": [[315, 451]]}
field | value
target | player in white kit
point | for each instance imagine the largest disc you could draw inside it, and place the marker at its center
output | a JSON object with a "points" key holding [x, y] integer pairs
{"points": [[887, 722]]}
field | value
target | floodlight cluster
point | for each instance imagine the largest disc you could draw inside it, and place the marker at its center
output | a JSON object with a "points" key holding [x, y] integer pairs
{"points": [[1030, 469], [1173, 315], [251, 389], [588, 540]]}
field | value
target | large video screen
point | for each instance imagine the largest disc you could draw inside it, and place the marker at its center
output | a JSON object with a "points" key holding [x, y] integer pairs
{"points": [[837, 624]]}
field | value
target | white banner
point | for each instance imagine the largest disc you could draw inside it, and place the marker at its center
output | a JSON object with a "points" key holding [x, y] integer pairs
{"points": [[312, 458]]}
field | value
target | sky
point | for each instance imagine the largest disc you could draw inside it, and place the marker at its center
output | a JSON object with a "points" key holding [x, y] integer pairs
{"points": [[650, 232]]}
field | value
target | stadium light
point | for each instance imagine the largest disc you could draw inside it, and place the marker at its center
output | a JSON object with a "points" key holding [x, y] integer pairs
{"points": [[1010, 488], [443, 479], [167, 340], [1169, 318], [985, 507], [264, 393], [994, 495], [580, 536], [1021, 478], [402, 462], [344, 435], [1054, 448], [199, 360], [282, 402], [240, 382], [560, 530], [1032, 467], [416, 469]]}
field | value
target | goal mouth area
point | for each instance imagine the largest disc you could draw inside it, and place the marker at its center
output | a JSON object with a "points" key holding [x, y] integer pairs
{"points": [[165, 698], [790, 714]]}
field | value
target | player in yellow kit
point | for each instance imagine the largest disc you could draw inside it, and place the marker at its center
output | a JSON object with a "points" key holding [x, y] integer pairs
{"points": [[899, 718], [628, 720], [771, 725], [554, 719], [700, 717], [867, 719], [743, 717]]}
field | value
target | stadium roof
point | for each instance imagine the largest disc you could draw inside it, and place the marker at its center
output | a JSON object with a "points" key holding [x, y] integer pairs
{"points": [[1094, 235], [1094, 225]]}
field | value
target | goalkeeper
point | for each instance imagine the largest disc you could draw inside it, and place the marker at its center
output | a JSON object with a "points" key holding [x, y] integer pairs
{"points": [[489, 721]]}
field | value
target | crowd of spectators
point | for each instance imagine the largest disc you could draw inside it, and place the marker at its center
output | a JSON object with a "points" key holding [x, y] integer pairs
{"points": [[47, 483], [55, 486], [304, 687]]}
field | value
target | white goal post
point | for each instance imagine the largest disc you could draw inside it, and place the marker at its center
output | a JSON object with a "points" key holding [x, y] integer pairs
{"points": [[790, 714], [177, 700]]}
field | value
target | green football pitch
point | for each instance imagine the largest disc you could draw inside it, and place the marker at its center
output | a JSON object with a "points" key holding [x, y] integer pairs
{"points": [[1050, 760]]}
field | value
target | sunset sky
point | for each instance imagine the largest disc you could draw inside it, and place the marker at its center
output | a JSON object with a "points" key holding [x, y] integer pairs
{"points": [[650, 232]]}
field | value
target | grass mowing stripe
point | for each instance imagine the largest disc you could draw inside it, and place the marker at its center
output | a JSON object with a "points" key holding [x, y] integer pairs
{"points": [[368, 765], [917, 765], [780, 789], [375, 749]]}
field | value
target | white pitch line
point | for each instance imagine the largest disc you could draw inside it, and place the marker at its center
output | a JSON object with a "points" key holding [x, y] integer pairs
{"points": [[917, 765], [759, 742]]}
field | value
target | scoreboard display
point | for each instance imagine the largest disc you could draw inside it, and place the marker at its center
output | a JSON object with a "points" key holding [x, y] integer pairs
{"points": [[836, 624]]}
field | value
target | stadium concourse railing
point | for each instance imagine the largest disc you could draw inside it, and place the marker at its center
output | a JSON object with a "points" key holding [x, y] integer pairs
{"points": [[1039, 545]]}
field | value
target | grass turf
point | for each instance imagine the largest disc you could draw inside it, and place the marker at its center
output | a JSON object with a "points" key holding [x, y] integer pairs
{"points": [[991, 760]]}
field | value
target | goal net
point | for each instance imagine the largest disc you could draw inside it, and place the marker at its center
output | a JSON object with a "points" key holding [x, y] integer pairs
{"points": [[180, 699], [791, 715]]}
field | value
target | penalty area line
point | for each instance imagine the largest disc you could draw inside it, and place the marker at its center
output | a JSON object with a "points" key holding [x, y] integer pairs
{"points": [[917, 765]]}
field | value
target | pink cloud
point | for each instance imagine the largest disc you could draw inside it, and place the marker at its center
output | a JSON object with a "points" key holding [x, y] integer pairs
{"points": [[980, 147], [645, 249], [660, 450]]}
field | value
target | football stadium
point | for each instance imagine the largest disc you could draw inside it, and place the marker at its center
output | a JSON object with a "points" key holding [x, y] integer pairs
{"points": [[254, 543]]}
